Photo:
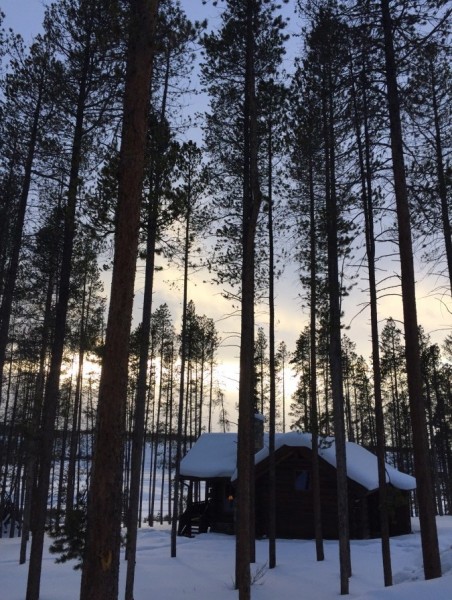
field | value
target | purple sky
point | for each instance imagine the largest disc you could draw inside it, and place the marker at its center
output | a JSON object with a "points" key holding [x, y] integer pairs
{"points": [[23, 16]]}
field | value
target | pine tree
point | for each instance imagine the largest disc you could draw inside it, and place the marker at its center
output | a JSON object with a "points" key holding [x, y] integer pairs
{"points": [[247, 47], [261, 372], [77, 29], [427, 103], [27, 101], [174, 34], [281, 359], [187, 195], [101, 560], [429, 536]]}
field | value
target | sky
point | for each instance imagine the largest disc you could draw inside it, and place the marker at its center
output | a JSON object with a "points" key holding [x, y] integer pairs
{"points": [[434, 307], [23, 16]]}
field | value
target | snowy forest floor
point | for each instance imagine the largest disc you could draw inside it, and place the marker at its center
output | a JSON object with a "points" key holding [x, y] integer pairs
{"points": [[204, 569]]}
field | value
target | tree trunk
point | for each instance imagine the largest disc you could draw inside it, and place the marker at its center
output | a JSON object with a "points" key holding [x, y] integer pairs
{"points": [[442, 187], [101, 560], [178, 457], [366, 194], [271, 350], [35, 419], [335, 351], [10, 284], [251, 206], [317, 507], [75, 432], [51, 396], [429, 536], [138, 433]]}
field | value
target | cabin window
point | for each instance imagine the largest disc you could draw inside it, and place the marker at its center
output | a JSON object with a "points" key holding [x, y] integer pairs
{"points": [[302, 481]]}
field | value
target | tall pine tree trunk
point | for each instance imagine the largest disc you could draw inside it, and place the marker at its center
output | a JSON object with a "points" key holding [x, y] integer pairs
{"points": [[364, 150], [271, 350], [335, 351], [184, 349], [51, 396], [75, 432], [10, 283], [429, 536], [35, 419], [251, 206], [441, 175], [138, 434], [101, 560], [316, 499]]}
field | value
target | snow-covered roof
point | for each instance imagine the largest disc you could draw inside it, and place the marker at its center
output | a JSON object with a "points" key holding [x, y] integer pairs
{"points": [[215, 454]]}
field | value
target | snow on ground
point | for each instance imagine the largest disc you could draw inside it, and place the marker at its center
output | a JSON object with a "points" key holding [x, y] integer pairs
{"points": [[204, 570]]}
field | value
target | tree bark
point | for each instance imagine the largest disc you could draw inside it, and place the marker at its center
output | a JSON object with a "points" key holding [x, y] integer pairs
{"points": [[335, 351], [101, 560], [35, 419], [366, 196], [10, 284], [271, 350], [51, 396], [250, 211], [317, 507], [75, 432], [181, 384], [138, 434], [442, 187], [429, 536]]}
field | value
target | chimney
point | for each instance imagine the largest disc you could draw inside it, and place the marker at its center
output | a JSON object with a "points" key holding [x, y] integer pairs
{"points": [[258, 432]]}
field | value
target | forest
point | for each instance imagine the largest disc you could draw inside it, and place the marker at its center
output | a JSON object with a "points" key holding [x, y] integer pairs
{"points": [[324, 150]]}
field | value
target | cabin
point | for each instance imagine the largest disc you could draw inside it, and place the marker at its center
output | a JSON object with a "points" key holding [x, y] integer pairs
{"points": [[212, 460]]}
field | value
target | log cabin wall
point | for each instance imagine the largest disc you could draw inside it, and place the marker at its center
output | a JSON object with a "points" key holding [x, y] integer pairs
{"points": [[295, 516], [294, 511]]}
